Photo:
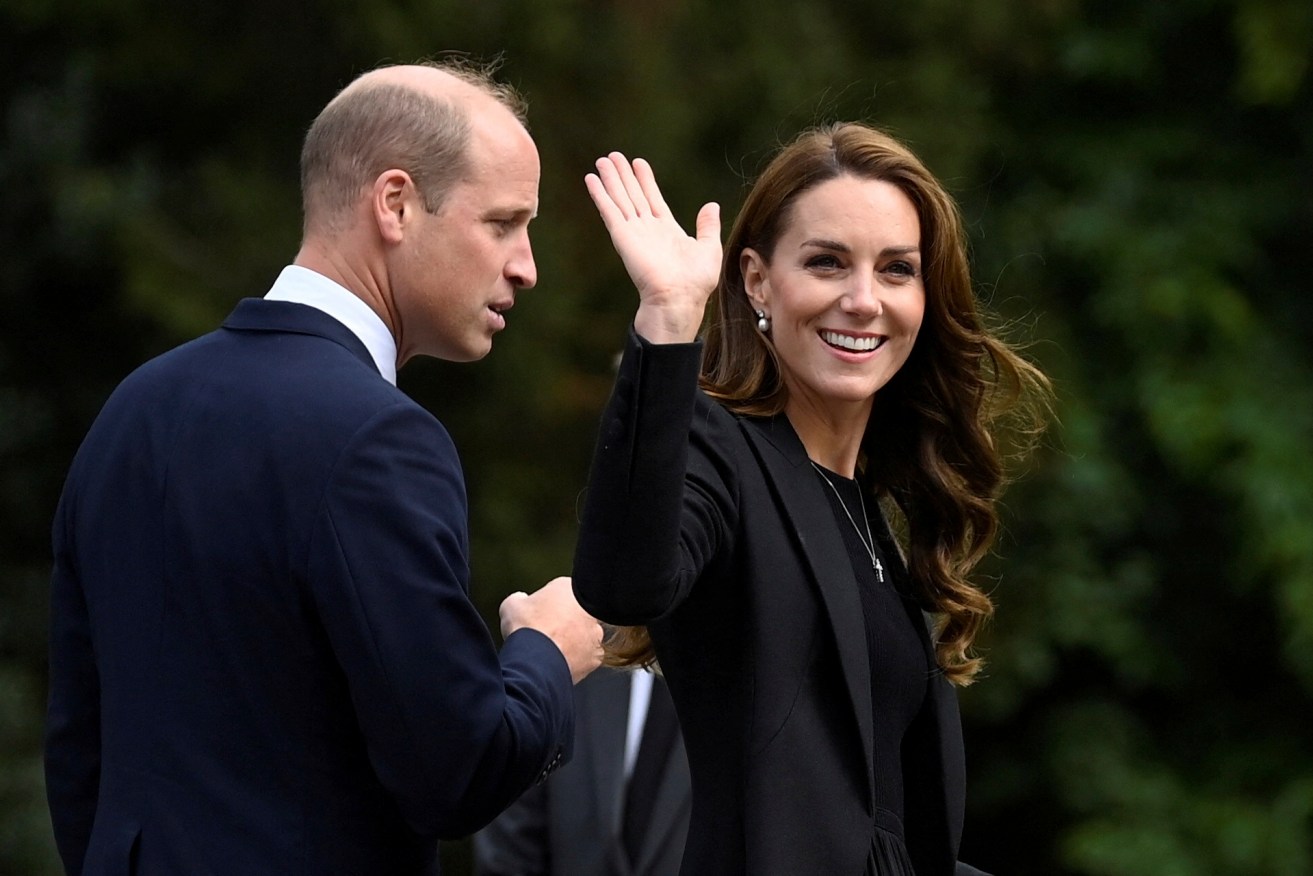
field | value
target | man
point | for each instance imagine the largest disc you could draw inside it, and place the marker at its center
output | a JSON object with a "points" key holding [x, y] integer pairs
{"points": [[264, 657], [619, 808]]}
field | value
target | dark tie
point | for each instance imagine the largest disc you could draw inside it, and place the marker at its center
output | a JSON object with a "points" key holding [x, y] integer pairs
{"points": [[653, 754]]}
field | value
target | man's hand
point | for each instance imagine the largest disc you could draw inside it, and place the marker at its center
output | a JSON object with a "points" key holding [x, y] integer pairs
{"points": [[553, 611]]}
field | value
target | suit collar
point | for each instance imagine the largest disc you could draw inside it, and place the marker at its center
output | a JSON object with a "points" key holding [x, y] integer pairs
{"points": [[260, 315], [305, 286]]}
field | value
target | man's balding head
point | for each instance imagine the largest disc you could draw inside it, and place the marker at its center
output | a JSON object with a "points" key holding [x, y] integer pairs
{"points": [[414, 118]]}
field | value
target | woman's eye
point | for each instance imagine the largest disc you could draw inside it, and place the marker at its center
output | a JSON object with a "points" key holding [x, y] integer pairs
{"points": [[901, 268], [824, 262]]}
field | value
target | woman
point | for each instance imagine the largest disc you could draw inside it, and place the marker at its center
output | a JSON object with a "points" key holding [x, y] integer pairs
{"points": [[845, 369]]}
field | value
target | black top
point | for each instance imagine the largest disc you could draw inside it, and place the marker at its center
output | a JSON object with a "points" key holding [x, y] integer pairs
{"points": [[899, 670]]}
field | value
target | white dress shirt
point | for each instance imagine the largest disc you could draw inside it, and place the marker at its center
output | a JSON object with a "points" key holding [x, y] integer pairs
{"points": [[640, 695]]}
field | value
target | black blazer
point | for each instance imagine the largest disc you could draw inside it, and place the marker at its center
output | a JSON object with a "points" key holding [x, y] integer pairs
{"points": [[263, 655], [570, 824], [714, 531]]}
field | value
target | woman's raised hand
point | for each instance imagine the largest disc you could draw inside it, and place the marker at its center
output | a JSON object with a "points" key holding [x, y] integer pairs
{"points": [[674, 273]]}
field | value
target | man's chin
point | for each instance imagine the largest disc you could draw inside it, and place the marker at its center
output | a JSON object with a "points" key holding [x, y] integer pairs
{"points": [[474, 354]]}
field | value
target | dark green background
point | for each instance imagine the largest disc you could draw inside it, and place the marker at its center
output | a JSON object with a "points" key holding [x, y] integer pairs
{"points": [[1136, 181]]}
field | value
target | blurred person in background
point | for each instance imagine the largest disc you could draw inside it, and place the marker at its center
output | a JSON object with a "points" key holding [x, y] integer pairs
{"points": [[619, 808]]}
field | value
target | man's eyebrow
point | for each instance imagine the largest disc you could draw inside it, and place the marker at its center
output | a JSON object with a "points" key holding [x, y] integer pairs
{"points": [[514, 214]]}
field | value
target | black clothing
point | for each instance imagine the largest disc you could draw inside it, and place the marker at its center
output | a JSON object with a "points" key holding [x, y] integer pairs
{"points": [[713, 530]]}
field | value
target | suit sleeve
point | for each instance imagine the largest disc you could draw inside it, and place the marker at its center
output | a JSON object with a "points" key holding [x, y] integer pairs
{"points": [[455, 730], [516, 843], [72, 737], [661, 504]]}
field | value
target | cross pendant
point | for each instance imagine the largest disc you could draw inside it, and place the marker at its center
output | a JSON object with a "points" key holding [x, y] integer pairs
{"points": [[879, 572]]}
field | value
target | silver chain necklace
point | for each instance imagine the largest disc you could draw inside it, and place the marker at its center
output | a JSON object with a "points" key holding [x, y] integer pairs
{"points": [[869, 542]]}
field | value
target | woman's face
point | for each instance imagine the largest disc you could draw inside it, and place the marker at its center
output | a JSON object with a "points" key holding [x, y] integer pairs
{"points": [[843, 291]]}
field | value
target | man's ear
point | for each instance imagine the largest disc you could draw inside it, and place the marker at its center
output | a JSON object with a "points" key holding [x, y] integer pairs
{"points": [[393, 201], [755, 283]]}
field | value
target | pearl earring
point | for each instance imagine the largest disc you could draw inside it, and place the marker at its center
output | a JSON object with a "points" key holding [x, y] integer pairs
{"points": [[763, 322]]}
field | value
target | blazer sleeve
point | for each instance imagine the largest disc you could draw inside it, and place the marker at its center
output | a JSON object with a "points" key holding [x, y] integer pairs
{"points": [[516, 843], [455, 730], [660, 505], [72, 734]]}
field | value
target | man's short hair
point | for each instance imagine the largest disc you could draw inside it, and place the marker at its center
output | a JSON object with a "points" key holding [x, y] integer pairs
{"points": [[372, 128]]}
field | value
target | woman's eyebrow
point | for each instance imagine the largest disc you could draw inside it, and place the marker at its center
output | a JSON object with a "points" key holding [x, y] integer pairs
{"points": [[835, 245]]}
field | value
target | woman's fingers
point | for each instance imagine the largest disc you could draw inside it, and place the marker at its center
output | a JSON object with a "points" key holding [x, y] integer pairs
{"points": [[666, 264], [631, 188], [606, 205], [651, 191], [708, 224], [621, 187], [633, 191]]}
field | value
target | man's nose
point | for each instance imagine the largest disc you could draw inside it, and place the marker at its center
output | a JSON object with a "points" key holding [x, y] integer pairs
{"points": [[521, 269]]}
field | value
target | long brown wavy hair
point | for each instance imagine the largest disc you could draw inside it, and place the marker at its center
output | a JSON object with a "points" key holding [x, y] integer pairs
{"points": [[935, 461]]}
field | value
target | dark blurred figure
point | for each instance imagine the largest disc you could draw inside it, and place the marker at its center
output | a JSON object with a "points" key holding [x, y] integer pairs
{"points": [[620, 808]]}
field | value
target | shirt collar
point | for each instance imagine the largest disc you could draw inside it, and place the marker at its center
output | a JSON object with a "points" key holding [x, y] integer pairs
{"points": [[304, 286]]}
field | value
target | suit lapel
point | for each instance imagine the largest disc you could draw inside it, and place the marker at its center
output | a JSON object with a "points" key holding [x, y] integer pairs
{"points": [[674, 797], [603, 714], [798, 493]]}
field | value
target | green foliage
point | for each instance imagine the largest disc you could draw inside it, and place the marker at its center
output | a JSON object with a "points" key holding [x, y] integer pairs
{"points": [[1135, 179]]}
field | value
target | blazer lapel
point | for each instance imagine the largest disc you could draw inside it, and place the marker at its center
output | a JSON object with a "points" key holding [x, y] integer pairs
{"points": [[936, 747], [798, 494]]}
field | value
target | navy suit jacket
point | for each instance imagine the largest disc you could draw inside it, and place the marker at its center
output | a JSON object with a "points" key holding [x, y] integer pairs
{"points": [[263, 656], [570, 825], [713, 530]]}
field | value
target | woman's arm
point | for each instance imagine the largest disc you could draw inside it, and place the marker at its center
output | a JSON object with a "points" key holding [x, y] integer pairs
{"points": [[655, 512], [661, 499]]}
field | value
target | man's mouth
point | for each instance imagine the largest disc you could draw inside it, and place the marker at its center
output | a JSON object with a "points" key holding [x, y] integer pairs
{"points": [[853, 343], [498, 311]]}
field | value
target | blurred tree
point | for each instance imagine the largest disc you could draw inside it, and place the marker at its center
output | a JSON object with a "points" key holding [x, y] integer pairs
{"points": [[1151, 653], [1136, 183]]}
